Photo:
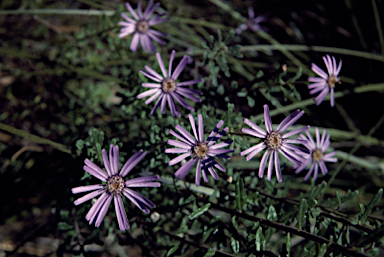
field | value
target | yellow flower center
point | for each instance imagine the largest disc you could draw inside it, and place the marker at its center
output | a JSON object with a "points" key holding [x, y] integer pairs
{"points": [[168, 85], [115, 185], [200, 150], [273, 140], [317, 155], [332, 80]]}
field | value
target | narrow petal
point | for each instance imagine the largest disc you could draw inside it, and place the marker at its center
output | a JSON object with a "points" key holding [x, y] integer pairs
{"points": [[148, 75], [315, 79], [193, 125], [323, 168], [332, 97], [185, 133], [309, 172], [88, 196], [277, 168], [139, 10], [135, 201], [217, 136], [130, 9], [252, 132], [157, 104], [148, 93], [295, 131], [328, 63], [263, 162], [315, 90], [316, 171], [251, 149], [188, 83], [260, 147], [198, 173], [255, 127], [171, 59], [176, 150], [215, 131], [95, 209], [270, 165], [147, 9], [317, 137], [221, 145], [183, 170], [180, 67], [267, 119], [178, 159], [103, 211], [251, 13], [338, 69], [114, 159], [155, 95], [151, 85], [140, 197], [153, 73], [135, 42], [182, 102], [319, 71], [147, 14], [201, 127], [130, 20], [287, 119], [120, 213], [163, 105], [291, 122], [213, 172], [187, 93], [83, 189], [94, 170], [132, 162], [161, 64], [145, 184], [141, 180], [180, 137], [312, 142], [319, 99]]}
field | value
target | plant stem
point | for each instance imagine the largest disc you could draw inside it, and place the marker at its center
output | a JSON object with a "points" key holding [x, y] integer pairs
{"points": [[37, 139]]}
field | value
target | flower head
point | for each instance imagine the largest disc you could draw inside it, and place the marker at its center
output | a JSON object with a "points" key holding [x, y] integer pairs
{"points": [[326, 82], [252, 22], [199, 149], [167, 89], [141, 26], [316, 154], [115, 187], [275, 142]]}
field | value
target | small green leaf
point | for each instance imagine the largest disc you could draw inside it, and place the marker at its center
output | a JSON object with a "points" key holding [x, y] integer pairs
{"points": [[303, 207], [199, 211], [288, 244], [172, 250], [372, 204], [210, 253], [234, 223], [272, 215], [240, 195], [64, 226], [338, 199], [260, 240], [207, 233], [235, 245]]}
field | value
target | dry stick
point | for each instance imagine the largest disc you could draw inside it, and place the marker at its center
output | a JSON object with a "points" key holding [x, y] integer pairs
{"points": [[281, 227], [182, 240]]}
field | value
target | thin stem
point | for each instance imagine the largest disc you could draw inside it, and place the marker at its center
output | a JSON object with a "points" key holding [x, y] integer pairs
{"points": [[287, 229], [37, 139], [378, 25]]}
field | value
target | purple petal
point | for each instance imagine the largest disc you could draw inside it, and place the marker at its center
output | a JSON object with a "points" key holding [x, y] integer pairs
{"points": [[255, 151], [252, 132], [94, 170], [163, 105], [317, 89], [154, 96], [213, 173], [103, 211], [148, 12], [326, 143], [178, 159], [309, 172], [141, 180], [135, 42], [267, 119], [221, 145], [114, 158], [287, 119], [162, 95], [180, 67], [157, 19], [95, 209], [141, 198], [198, 173], [295, 131], [241, 28], [332, 97], [316, 171], [188, 83], [148, 93], [215, 131], [251, 149], [139, 10], [319, 71], [170, 63], [82, 189], [176, 150], [338, 69], [187, 93], [182, 102], [321, 96], [130, 20], [316, 79], [277, 168], [135, 201], [151, 85], [211, 141], [132, 162], [292, 121], [148, 75], [120, 213], [255, 127], [154, 73], [312, 142], [193, 124], [88, 196], [130, 9], [205, 177], [180, 137], [201, 127], [270, 165], [145, 184], [161, 64], [183, 170], [251, 13], [317, 137], [328, 63], [323, 168], [263, 163], [186, 134]]}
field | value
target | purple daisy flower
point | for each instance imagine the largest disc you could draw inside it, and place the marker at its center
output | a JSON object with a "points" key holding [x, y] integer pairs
{"points": [[200, 150], [167, 89], [141, 26], [316, 155], [275, 142], [252, 22], [326, 82], [115, 187]]}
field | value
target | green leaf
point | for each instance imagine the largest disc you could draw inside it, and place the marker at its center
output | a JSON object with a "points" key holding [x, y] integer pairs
{"points": [[172, 250], [234, 223], [251, 101], [260, 240], [322, 250], [210, 253], [199, 211], [303, 207], [64, 226], [372, 204], [207, 233], [338, 199], [288, 244], [272, 215], [239, 193], [235, 245]]}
